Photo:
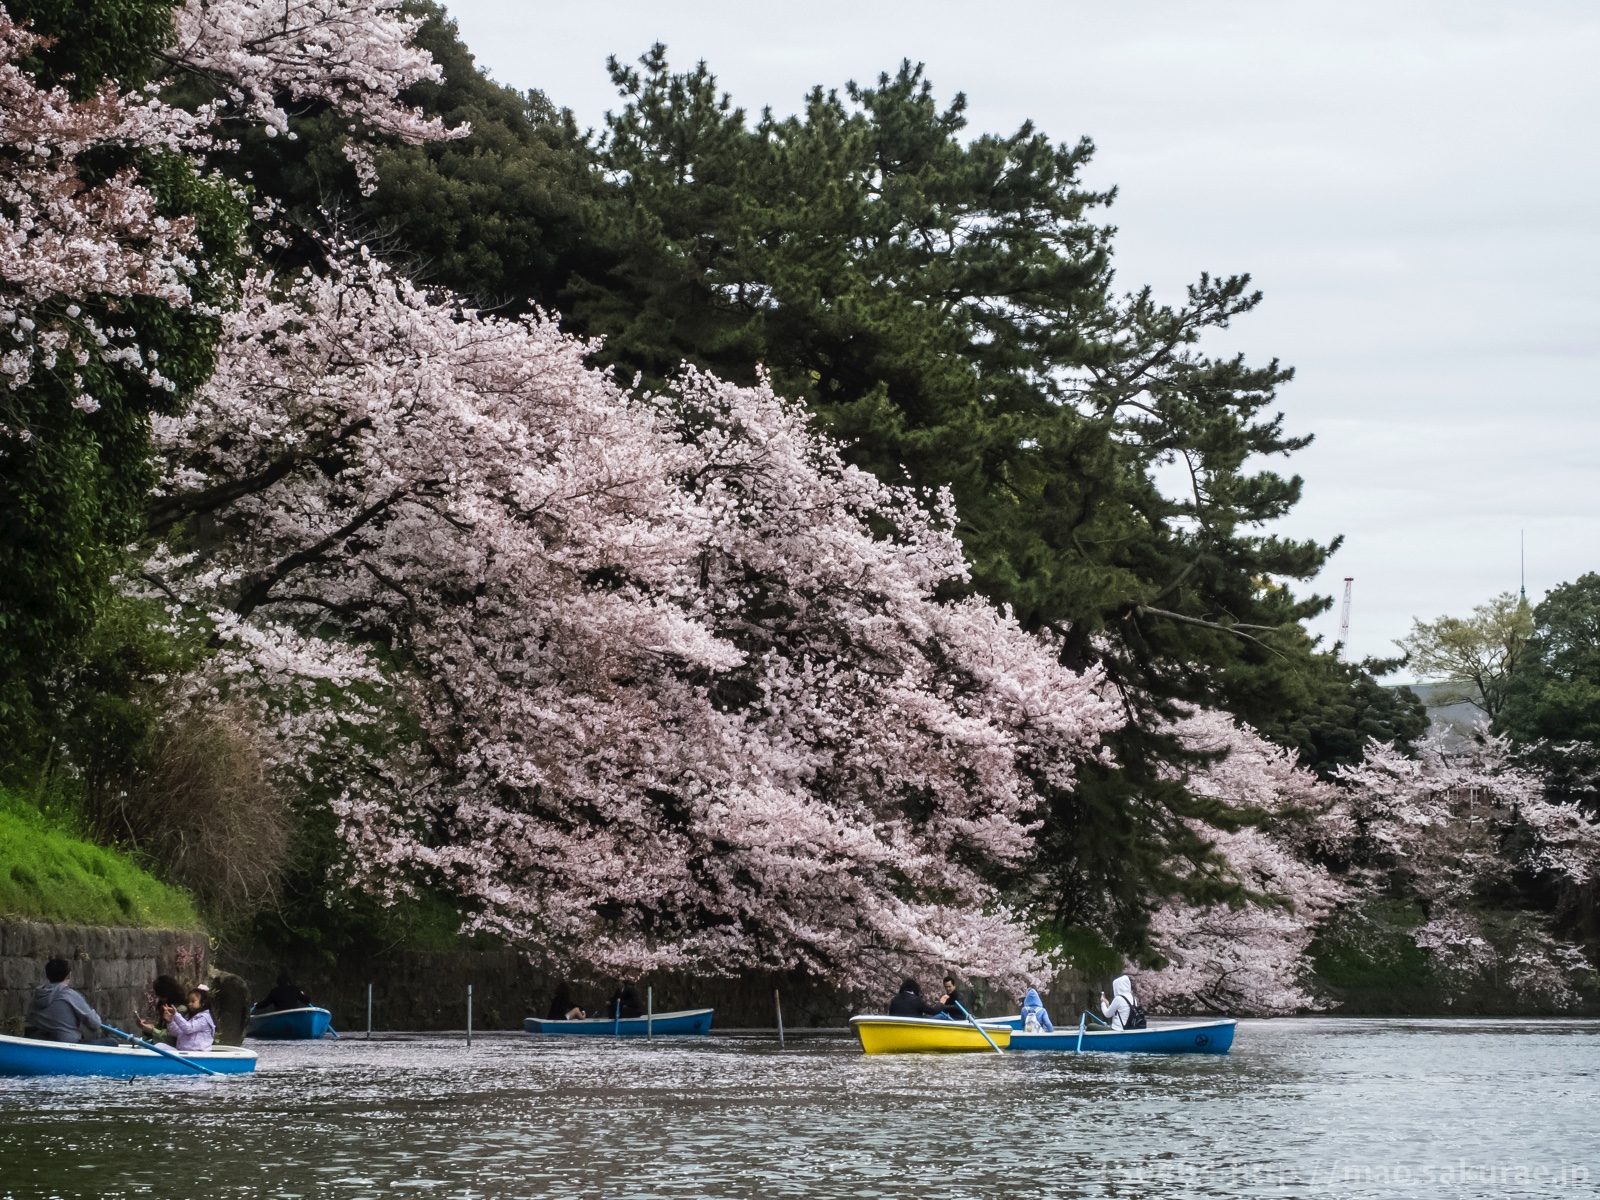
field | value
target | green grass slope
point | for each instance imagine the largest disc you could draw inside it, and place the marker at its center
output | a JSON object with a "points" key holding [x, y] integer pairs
{"points": [[47, 874]]}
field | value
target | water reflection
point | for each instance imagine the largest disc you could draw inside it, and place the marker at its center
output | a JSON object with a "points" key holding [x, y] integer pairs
{"points": [[1301, 1108]]}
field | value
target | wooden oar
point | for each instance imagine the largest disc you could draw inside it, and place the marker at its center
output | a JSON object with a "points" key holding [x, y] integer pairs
{"points": [[159, 1049], [976, 1026]]}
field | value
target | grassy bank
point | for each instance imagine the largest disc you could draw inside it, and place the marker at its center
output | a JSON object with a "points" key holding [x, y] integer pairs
{"points": [[49, 874]]}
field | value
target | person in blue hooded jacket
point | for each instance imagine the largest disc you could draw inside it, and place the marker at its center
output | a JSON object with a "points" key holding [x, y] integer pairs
{"points": [[1034, 1017]]}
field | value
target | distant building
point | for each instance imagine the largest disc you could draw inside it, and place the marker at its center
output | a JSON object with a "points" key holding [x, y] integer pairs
{"points": [[1450, 714]]}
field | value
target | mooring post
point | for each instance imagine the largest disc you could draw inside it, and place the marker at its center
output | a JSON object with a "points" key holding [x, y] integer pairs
{"points": [[777, 1002], [649, 1012], [469, 1016], [369, 1012]]}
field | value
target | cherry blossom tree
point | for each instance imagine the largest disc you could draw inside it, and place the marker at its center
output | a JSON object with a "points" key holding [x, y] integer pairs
{"points": [[70, 239], [120, 246], [354, 55], [67, 239], [1248, 955], [679, 687], [1457, 821]]}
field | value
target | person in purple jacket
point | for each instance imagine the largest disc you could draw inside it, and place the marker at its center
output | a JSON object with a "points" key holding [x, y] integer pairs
{"points": [[197, 1030]]}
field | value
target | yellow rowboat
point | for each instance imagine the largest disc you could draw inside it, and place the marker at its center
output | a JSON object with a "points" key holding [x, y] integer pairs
{"points": [[926, 1035]]}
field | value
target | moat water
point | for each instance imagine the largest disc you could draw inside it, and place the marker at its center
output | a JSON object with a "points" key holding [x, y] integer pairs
{"points": [[1301, 1108]]}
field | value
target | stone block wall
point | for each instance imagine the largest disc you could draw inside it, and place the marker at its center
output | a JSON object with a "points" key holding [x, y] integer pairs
{"points": [[428, 991], [416, 991], [112, 967]]}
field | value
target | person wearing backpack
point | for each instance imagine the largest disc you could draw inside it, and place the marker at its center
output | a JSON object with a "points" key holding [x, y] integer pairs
{"points": [[1121, 1011], [1034, 1017]]}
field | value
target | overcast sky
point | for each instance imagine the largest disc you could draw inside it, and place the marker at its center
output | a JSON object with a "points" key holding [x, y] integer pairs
{"points": [[1415, 186]]}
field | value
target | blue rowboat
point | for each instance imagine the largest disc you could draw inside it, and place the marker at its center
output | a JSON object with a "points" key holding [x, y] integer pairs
{"points": [[684, 1022], [28, 1056], [289, 1023], [1194, 1037]]}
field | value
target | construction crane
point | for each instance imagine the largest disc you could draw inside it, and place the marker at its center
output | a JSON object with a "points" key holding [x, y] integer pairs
{"points": [[1344, 621]]}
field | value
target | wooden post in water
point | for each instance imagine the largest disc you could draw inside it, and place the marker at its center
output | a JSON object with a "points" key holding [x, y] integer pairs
{"points": [[469, 1016], [649, 1013], [777, 1002], [369, 1012]]}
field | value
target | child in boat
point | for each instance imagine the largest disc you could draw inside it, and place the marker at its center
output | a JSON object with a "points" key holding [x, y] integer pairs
{"points": [[1034, 1017], [1119, 1009], [197, 1030]]}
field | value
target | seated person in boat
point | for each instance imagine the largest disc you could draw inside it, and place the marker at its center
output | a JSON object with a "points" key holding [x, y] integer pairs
{"points": [[1034, 1017], [59, 1013], [908, 1002], [954, 1000], [283, 996], [624, 1003], [165, 993], [196, 1029], [1120, 1009], [561, 1006]]}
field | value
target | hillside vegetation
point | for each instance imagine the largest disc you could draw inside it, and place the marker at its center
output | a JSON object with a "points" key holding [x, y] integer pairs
{"points": [[48, 874]]}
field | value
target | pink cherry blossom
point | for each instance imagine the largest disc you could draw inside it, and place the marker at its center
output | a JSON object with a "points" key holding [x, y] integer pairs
{"points": [[356, 55], [677, 687], [1249, 957], [1445, 818], [65, 240]]}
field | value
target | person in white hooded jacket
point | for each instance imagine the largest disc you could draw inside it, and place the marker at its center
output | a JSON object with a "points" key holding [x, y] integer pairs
{"points": [[1119, 1008]]}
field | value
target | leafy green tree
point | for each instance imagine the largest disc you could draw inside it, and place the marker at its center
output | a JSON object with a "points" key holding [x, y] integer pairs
{"points": [[74, 472], [504, 216], [947, 307], [1553, 691], [1349, 710], [1552, 697], [1477, 655]]}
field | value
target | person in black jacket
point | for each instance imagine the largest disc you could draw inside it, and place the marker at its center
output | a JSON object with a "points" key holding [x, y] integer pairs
{"points": [[624, 1003], [953, 1000], [563, 1007], [285, 996], [908, 1002]]}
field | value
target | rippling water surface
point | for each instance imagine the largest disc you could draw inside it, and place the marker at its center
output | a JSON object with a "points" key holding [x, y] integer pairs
{"points": [[1300, 1108]]}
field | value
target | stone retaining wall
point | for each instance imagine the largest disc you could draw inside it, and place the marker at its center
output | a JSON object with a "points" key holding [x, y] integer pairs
{"points": [[112, 967], [422, 991]]}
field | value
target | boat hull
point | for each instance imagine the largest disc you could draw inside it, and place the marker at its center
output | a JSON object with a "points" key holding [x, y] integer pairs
{"points": [[26, 1056], [1198, 1037], [687, 1022], [289, 1024], [926, 1035]]}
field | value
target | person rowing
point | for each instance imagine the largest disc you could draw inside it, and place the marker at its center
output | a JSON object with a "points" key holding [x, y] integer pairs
{"points": [[59, 1013], [286, 995], [624, 1004], [953, 1003]]}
